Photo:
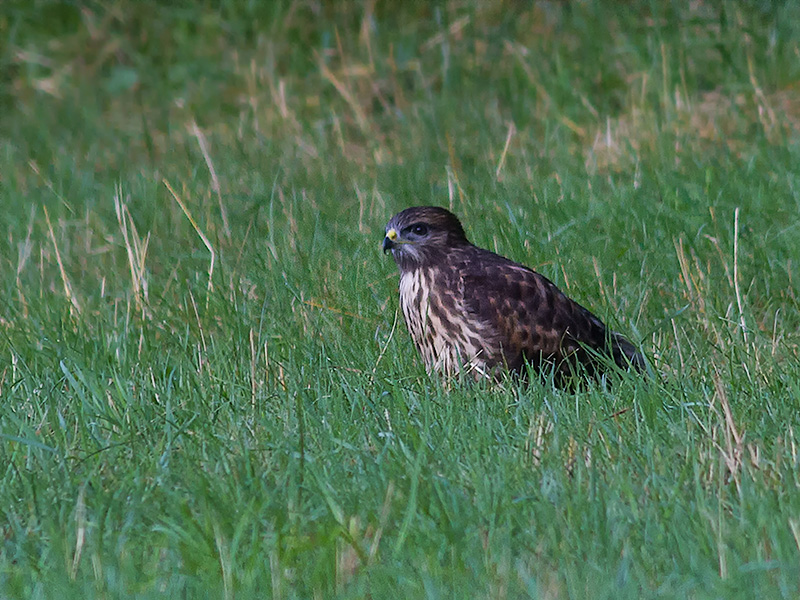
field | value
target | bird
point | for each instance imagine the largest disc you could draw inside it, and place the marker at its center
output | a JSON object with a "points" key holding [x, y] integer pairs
{"points": [[470, 310]]}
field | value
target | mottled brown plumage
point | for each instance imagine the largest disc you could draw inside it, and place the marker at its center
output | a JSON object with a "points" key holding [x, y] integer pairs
{"points": [[470, 309]]}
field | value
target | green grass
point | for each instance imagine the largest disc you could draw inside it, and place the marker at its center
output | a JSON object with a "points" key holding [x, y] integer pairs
{"points": [[206, 389]]}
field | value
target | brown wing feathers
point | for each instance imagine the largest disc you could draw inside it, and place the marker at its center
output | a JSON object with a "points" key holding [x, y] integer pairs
{"points": [[534, 319]]}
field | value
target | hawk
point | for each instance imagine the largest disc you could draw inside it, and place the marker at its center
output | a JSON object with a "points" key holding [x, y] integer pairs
{"points": [[470, 309]]}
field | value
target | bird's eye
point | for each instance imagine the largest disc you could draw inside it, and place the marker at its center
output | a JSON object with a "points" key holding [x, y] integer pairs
{"points": [[419, 229]]}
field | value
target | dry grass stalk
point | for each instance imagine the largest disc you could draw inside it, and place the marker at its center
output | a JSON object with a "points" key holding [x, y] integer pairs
{"points": [[202, 236], [64, 279], [136, 248], [203, 143]]}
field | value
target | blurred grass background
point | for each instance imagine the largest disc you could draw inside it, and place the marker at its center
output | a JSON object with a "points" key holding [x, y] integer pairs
{"points": [[205, 386]]}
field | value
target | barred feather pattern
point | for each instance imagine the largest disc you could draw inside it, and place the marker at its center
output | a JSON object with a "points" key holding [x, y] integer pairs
{"points": [[446, 343]]}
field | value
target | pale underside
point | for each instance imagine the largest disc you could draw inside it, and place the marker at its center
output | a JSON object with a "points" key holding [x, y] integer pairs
{"points": [[447, 346]]}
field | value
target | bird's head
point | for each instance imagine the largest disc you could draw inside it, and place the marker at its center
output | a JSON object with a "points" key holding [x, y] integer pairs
{"points": [[419, 234]]}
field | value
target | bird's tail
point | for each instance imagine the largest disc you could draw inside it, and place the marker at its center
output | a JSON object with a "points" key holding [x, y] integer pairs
{"points": [[626, 355]]}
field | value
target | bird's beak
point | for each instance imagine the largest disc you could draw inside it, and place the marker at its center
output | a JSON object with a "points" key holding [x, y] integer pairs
{"points": [[389, 240]]}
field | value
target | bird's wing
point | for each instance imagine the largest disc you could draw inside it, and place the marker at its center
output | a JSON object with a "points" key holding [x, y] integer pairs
{"points": [[530, 317]]}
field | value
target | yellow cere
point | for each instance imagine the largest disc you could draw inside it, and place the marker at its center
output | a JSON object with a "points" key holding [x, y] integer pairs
{"points": [[392, 234]]}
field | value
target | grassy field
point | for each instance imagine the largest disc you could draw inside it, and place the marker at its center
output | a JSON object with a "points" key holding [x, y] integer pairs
{"points": [[206, 389]]}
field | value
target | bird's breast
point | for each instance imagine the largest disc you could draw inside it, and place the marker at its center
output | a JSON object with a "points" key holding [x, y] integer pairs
{"points": [[440, 329], [415, 292]]}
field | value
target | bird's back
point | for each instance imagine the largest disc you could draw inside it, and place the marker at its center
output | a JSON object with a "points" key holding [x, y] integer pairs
{"points": [[531, 320]]}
